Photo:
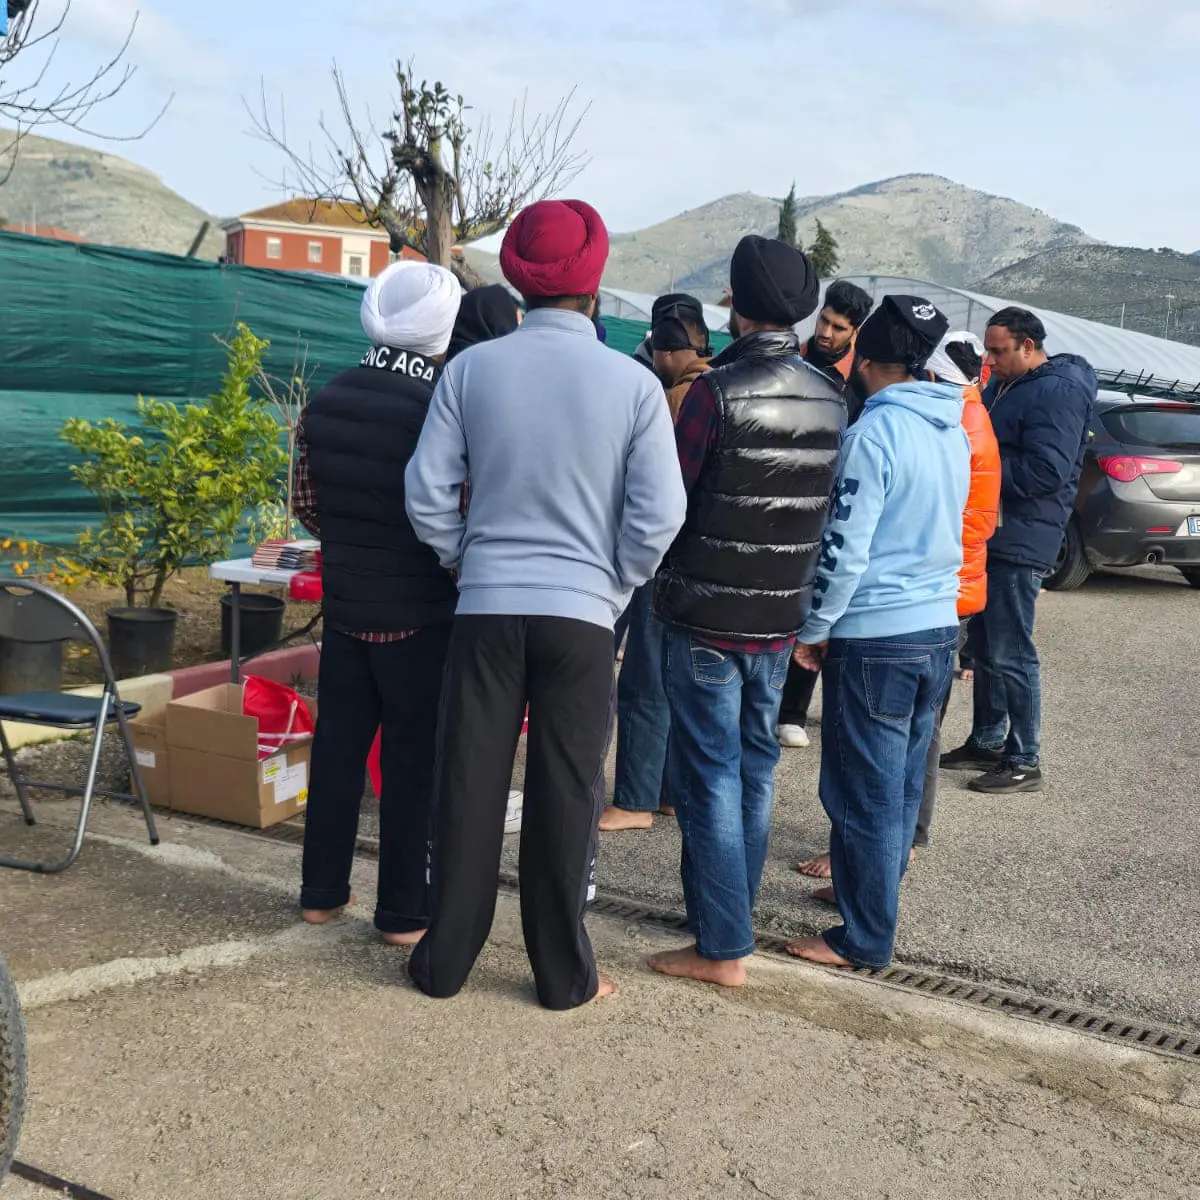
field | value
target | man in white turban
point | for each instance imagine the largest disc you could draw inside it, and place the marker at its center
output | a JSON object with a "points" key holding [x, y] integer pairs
{"points": [[412, 306], [388, 603]]}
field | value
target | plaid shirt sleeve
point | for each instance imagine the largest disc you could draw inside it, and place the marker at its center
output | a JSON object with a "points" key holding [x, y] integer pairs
{"points": [[304, 496], [695, 431]]}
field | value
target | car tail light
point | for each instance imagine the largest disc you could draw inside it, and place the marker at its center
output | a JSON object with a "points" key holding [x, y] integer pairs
{"points": [[1127, 468]]}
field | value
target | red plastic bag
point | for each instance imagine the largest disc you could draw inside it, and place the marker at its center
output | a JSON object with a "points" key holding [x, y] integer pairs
{"points": [[283, 717], [375, 764]]}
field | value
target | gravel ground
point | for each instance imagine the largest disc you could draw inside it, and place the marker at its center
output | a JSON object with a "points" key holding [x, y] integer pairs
{"points": [[1089, 892]]}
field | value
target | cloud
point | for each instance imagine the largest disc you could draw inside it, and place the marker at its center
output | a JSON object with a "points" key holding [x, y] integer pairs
{"points": [[1160, 21], [160, 46]]}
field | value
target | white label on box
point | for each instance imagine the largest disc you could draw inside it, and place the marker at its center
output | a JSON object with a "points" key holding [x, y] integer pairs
{"points": [[272, 767], [146, 758], [292, 783]]}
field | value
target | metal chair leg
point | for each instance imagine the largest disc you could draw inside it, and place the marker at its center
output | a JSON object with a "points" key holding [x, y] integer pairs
{"points": [[89, 786], [15, 775], [135, 772], [85, 807]]}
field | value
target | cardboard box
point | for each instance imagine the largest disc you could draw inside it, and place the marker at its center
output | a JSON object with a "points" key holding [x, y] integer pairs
{"points": [[149, 735], [215, 768]]}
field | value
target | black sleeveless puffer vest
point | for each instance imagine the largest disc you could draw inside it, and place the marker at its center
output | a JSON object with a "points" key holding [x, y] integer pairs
{"points": [[361, 429], [743, 565]]}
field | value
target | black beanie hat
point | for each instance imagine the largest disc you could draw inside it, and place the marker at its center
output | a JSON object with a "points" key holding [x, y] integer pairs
{"points": [[667, 329], [772, 282], [485, 313], [904, 330]]}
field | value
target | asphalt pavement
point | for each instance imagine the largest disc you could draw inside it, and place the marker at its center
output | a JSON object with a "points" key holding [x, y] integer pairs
{"points": [[189, 1037], [1089, 891]]}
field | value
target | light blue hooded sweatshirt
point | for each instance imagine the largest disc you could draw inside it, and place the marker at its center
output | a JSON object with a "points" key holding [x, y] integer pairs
{"points": [[892, 548]]}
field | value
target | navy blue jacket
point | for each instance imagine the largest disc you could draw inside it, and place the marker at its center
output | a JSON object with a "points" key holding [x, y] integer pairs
{"points": [[1041, 423]]}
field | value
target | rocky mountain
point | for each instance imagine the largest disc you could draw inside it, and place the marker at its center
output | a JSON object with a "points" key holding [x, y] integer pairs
{"points": [[920, 225], [100, 196], [1098, 281]]}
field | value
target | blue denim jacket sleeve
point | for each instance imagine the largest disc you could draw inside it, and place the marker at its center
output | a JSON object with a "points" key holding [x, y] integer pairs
{"points": [[857, 506]]}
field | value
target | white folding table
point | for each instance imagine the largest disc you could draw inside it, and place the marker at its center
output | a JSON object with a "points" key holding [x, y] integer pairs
{"points": [[235, 572]]}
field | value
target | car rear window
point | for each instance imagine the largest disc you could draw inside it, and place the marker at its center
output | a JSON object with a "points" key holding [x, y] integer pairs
{"points": [[1178, 428]]}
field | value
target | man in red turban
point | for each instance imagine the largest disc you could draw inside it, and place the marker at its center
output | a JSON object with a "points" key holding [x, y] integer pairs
{"points": [[555, 248], [576, 494]]}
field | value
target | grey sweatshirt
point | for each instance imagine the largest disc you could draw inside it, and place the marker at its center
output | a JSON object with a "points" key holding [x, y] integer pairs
{"points": [[576, 492]]}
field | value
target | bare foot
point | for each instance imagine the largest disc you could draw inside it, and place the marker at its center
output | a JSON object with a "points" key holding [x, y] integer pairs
{"points": [[321, 916], [816, 949], [613, 819], [667, 810], [816, 868], [826, 894], [687, 964], [607, 986], [404, 939]]}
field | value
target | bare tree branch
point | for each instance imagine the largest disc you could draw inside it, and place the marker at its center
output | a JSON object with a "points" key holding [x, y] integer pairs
{"points": [[28, 105], [426, 178]]}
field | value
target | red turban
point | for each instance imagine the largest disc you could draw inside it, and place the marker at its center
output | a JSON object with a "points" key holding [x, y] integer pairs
{"points": [[555, 248]]}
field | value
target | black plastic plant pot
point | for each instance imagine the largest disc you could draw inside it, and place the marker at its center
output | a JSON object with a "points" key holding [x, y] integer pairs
{"points": [[141, 641], [262, 623], [30, 666]]}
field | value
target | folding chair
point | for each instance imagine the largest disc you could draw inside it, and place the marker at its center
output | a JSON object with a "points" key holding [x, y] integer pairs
{"points": [[30, 612]]}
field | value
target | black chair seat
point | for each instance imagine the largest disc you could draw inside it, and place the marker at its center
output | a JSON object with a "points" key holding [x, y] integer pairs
{"points": [[60, 709]]}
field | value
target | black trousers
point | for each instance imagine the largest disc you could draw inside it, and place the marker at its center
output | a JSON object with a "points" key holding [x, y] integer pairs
{"points": [[363, 687], [797, 695], [933, 763], [564, 669]]}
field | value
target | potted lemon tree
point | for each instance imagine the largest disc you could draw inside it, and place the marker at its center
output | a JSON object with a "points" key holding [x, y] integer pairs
{"points": [[173, 492]]}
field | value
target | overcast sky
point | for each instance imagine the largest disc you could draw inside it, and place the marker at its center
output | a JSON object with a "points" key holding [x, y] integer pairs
{"points": [[1083, 108]]}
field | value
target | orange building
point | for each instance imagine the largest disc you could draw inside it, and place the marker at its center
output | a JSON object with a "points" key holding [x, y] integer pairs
{"points": [[309, 235], [45, 231]]}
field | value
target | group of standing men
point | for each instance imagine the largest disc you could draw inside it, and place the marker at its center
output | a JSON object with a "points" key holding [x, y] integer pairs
{"points": [[759, 516]]}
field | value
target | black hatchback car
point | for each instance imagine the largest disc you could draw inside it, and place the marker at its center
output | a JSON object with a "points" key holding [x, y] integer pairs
{"points": [[1139, 494]]}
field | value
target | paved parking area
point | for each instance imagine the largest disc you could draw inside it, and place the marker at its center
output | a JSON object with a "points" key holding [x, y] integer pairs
{"points": [[1089, 891], [190, 1037]]}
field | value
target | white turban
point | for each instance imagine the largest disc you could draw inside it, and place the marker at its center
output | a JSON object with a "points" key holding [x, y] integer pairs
{"points": [[412, 306], [944, 367]]}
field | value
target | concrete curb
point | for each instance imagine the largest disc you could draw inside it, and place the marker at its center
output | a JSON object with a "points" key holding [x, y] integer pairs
{"points": [[152, 692], [280, 666]]}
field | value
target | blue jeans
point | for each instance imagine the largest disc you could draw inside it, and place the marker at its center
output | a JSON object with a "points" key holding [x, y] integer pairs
{"points": [[721, 777], [643, 718], [1008, 684], [882, 698]]}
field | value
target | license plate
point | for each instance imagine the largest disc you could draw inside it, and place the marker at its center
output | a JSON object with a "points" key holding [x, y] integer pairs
{"points": [[1194, 526]]}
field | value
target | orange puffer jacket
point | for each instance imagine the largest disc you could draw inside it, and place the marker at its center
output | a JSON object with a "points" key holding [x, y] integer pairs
{"points": [[983, 504]]}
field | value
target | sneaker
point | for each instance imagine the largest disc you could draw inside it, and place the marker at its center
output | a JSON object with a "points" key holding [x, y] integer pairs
{"points": [[512, 814], [794, 737], [970, 758], [1007, 779]]}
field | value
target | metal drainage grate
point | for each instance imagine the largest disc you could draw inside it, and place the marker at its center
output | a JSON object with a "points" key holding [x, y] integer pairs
{"points": [[1172, 1043]]}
